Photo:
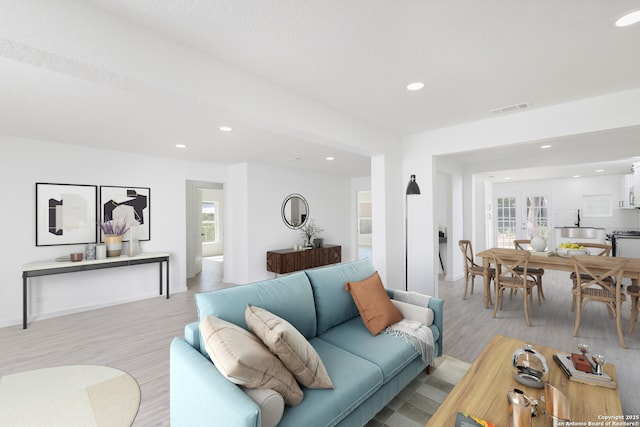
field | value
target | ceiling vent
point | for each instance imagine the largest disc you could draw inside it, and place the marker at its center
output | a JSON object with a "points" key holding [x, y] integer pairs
{"points": [[509, 108]]}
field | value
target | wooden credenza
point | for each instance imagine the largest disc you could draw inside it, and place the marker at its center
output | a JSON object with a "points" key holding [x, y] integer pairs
{"points": [[284, 261]]}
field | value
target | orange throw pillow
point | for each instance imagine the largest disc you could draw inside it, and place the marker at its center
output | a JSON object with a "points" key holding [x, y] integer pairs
{"points": [[375, 306]]}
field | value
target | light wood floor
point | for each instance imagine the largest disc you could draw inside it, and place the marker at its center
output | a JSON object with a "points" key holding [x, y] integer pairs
{"points": [[132, 337], [469, 327], [135, 337]]}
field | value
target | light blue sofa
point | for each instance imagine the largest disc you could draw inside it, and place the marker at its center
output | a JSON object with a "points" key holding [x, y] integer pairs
{"points": [[367, 371]]}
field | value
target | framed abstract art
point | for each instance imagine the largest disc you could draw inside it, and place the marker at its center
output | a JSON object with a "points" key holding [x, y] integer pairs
{"points": [[127, 204], [65, 214]]}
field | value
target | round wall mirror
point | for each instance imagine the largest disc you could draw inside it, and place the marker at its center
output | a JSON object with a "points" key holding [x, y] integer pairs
{"points": [[295, 211]]}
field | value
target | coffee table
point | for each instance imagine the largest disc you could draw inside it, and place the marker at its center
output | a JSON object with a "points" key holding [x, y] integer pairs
{"points": [[482, 392]]}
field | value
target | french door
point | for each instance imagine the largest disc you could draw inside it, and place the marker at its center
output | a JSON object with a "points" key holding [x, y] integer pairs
{"points": [[520, 217]]}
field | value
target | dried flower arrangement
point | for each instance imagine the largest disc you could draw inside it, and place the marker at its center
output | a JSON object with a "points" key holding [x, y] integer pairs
{"points": [[115, 227], [309, 230]]}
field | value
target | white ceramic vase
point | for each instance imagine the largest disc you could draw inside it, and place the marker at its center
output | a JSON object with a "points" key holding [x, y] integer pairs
{"points": [[538, 243]]}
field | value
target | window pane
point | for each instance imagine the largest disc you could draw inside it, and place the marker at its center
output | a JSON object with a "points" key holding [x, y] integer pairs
{"points": [[209, 222]]}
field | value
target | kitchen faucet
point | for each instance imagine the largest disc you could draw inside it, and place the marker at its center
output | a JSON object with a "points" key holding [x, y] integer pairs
{"points": [[578, 223]]}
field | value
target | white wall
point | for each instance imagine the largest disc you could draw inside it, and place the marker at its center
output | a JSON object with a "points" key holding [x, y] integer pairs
{"points": [[387, 203], [253, 223], [329, 199], [25, 162]]}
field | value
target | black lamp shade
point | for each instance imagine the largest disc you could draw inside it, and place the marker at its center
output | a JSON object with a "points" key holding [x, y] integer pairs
{"points": [[412, 187]]}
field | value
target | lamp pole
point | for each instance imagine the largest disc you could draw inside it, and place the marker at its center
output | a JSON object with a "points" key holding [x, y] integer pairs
{"points": [[412, 188]]}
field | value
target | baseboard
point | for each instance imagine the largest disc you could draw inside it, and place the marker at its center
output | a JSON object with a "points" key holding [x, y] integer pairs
{"points": [[53, 314]]}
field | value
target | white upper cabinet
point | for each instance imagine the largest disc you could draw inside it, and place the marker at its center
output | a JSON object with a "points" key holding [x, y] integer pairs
{"points": [[636, 184], [628, 195]]}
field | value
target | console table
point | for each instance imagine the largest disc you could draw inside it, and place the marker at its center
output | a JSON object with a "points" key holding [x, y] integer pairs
{"points": [[52, 267], [284, 261]]}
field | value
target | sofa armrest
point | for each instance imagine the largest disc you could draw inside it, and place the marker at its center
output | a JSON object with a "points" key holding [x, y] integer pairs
{"points": [[437, 305], [192, 335], [201, 396]]}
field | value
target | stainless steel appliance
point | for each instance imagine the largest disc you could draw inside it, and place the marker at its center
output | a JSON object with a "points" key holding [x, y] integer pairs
{"points": [[625, 243]]}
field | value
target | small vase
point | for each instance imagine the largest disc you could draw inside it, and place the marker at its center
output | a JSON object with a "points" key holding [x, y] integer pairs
{"points": [[538, 243], [114, 245]]}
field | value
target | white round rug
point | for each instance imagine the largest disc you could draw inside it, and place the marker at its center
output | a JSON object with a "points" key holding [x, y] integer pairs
{"points": [[80, 395]]}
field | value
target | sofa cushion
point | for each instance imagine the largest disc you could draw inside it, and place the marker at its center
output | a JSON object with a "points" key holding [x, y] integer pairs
{"points": [[333, 304], [290, 346], [391, 353], [275, 295], [374, 305], [355, 381], [244, 360]]}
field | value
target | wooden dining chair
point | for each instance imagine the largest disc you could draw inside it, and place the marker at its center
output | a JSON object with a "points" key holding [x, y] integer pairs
{"points": [[634, 294], [599, 249], [471, 269], [603, 274], [535, 273], [511, 273]]}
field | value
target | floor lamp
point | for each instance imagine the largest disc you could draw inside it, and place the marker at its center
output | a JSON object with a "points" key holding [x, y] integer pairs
{"points": [[412, 188]]}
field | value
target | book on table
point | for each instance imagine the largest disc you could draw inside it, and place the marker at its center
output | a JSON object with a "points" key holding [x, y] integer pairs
{"points": [[465, 420]]}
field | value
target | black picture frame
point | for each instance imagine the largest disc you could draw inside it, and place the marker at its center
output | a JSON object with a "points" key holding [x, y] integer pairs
{"points": [[65, 214], [128, 203]]}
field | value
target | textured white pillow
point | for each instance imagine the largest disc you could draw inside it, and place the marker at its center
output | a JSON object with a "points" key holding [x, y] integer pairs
{"points": [[414, 312], [244, 360], [286, 342], [271, 405]]}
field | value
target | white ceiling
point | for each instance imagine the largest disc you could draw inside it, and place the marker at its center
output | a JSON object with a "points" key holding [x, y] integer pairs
{"points": [[60, 82]]}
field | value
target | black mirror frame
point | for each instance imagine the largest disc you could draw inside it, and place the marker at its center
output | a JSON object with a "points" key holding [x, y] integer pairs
{"points": [[284, 205]]}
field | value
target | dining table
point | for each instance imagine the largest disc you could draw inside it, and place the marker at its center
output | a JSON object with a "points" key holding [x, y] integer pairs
{"points": [[550, 261]]}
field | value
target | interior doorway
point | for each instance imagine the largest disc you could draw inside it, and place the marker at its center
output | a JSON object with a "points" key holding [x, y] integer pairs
{"points": [[205, 231], [364, 225]]}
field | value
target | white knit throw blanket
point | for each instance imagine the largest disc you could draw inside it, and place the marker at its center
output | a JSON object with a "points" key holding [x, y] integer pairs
{"points": [[419, 335]]}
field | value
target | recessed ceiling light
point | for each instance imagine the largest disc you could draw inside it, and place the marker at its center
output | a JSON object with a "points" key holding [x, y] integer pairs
{"points": [[576, 176], [225, 128], [545, 146], [415, 86], [628, 18], [599, 170], [181, 146], [507, 177], [329, 158]]}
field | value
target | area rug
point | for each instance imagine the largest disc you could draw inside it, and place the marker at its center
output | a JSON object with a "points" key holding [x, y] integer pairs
{"points": [[420, 399], [80, 395]]}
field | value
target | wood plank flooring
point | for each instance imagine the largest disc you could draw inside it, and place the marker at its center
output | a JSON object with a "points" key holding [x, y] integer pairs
{"points": [[469, 327], [135, 337]]}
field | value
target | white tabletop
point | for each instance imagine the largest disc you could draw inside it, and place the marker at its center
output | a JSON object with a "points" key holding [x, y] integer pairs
{"points": [[63, 264]]}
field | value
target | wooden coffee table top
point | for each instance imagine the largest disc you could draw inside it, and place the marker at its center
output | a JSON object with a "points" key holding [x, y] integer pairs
{"points": [[482, 392]]}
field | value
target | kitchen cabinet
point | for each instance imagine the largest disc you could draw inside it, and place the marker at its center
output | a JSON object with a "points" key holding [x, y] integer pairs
{"points": [[628, 195], [636, 174]]}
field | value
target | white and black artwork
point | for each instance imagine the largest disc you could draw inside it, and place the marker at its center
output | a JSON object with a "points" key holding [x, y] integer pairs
{"points": [[127, 204], [65, 214]]}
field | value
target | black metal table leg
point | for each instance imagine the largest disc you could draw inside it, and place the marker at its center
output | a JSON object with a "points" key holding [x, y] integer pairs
{"points": [[24, 301], [160, 275]]}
